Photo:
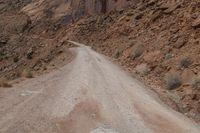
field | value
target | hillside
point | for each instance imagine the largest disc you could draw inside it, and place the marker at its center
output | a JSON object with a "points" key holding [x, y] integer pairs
{"points": [[157, 40]]}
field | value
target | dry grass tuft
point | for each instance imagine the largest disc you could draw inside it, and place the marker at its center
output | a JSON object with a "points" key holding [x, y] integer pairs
{"points": [[173, 80], [185, 62], [27, 73], [4, 83], [196, 83], [137, 51]]}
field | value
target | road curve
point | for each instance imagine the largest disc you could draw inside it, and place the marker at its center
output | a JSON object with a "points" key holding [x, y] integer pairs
{"points": [[89, 95]]}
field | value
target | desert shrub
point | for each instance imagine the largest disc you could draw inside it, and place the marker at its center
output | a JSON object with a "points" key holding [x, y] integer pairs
{"points": [[142, 69], [173, 80], [137, 51], [27, 73], [4, 83], [196, 82], [66, 19], [16, 59], [49, 13], [29, 54], [185, 62], [168, 56], [117, 53]]}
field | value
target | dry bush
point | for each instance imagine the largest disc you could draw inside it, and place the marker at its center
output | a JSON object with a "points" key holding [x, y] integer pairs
{"points": [[168, 56], [173, 80], [196, 82], [4, 83], [185, 62], [118, 53], [137, 51], [142, 69], [27, 73]]}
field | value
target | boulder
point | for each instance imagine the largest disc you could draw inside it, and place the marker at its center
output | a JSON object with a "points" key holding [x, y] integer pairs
{"points": [[180, 42], [153, 56], [171, 8], [187, 76], [29, 54], [138, 16], [151, 2], [196, 23], [156, 15]]}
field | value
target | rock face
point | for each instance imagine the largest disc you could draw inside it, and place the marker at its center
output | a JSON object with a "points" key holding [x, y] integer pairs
{"points": [[102, 6], [76, 8]]}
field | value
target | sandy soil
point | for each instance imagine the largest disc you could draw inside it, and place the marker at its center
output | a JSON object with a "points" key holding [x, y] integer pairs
{"points": [[89, 95]]}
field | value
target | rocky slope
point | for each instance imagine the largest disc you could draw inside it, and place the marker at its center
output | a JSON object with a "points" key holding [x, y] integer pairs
{"points": [[30, 30], [27, 42]]}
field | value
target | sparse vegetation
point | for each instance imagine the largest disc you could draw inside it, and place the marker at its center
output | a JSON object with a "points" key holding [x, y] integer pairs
{"points": [[173, 80], [142, 69], [196, 82], [49, 13], [30, 54], [4, 83], [16, 59], [27, 73], [168, 56], [117, 53], [185, 62], [137, 51]]}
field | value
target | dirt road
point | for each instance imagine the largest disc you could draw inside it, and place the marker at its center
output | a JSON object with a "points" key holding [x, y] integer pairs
{"points": [[89, 95]]}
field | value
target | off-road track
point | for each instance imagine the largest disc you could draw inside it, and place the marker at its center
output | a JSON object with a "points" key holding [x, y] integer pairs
{"points": [[88, 95]]}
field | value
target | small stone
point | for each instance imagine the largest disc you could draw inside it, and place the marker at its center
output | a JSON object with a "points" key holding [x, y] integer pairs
{"points": [[171, 8], [151, 2], [138, 16], [156, 15], [153, 56], [3, 41], [194, 16], [196, 23], [29, 54], [130, 14], [180, 42]]}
